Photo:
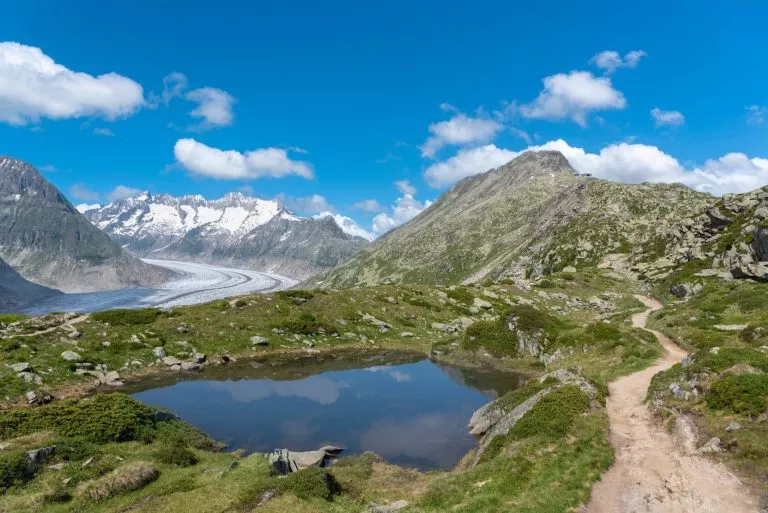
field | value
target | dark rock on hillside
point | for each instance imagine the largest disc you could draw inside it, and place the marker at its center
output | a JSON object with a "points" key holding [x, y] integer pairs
{"points": [[15, 291], [49, 242]]}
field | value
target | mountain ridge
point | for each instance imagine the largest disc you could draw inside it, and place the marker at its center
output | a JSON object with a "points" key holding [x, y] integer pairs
{"points": [[47, 241], [235, 230], [529, 217]]}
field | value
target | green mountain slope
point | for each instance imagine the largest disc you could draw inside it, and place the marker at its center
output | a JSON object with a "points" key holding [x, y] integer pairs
{"points": [[528, 217]]}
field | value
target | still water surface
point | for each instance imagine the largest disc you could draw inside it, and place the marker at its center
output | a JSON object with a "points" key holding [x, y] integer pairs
{"points": [[409, 411]]}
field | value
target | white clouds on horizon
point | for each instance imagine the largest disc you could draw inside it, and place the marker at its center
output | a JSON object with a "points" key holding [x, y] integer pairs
{"points": [[667, 117], [406, 207], [622, 162], [610, 60], [313, 204], [122, 192], [203, 160], [79, 191], [33, 86], [573, 96]]}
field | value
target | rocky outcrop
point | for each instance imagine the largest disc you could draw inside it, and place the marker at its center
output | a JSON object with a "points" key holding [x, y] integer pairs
{"points": [[493, 420], [15, 291], [47, 241], [285, 461]]}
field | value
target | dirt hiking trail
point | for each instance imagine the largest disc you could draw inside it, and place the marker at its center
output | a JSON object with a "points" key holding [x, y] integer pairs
{"points": [[653, 473]]}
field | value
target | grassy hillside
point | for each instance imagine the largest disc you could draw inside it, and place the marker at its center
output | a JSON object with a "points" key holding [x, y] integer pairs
{"points": [[114, 454]]}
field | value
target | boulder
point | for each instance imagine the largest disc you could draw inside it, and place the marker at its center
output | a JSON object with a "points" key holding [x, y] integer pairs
{"points": [[760, 243], [716, 220], [285, 461], [159, 353], [37, 457], [730, 327], [30, 377], [684, 290], [21, 367], [171, 361], [733, 426], [191, 366], [714, 445], [258, 340], [392, 507], [70, 356], [407, 334], [376, 322], [482, 304], [135, 339]]}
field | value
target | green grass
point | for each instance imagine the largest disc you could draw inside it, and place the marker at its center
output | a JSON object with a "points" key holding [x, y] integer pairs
{"points": [[127, 317]]}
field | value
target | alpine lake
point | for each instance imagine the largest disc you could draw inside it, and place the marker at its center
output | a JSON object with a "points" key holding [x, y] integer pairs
{"points": [[407, 409]]}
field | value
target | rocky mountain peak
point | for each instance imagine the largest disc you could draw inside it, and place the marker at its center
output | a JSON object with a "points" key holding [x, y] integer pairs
{"points": [[539, 163]]}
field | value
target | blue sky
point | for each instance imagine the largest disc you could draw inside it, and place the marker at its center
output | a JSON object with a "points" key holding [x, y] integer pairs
{"points": [[333, 105]]}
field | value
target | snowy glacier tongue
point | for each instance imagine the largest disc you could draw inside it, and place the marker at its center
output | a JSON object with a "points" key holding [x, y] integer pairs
{"points": [[195, 283]]}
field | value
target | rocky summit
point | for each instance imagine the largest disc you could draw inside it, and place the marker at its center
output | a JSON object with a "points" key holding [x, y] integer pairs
{"points": [[236, 230], [529, 217], [45, 239]]}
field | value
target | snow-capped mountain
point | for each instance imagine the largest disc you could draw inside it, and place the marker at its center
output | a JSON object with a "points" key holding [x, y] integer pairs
{"points": [[235, 229]]}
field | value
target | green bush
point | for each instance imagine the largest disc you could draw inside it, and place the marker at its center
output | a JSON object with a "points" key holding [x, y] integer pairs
{"points": [[101, 418], [127, 317], [240, 303], [461, 294], [13, 469], [59, 494], [727, 357], [746, 394], [305, 324], [311, 483], [546, 284], [10, 318], [175, 452], [494, 336], [530, 319], [76, 449], [291, 294], [553, 415]]}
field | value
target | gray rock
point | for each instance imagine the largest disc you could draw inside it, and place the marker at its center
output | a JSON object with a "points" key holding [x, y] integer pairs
{"points": [[70, 356], [21, 367], [730, 327], [191, 366], [258, 340], [392, 507], [158, 352], [482, 304], [733, 426], [278, 331], [171, 360], [760, 243], [74, 334], [714, 445], [135, 339], [30, 377], [391, 300], [407, 334], [376, 322], [685, 290], [679, 393], [37, 457], [112, 379]]}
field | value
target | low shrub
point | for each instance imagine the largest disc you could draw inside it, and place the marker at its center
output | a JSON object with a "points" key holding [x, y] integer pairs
{"points": [[746, 394], [13, 469], [59, 494], [101, 418], [291, 294], [311, 483], [240, 303], [461, 294], [11, 318], [175, 452], [553, 415], [305, 324], [494, 336], [127, 317], [129, 477]]}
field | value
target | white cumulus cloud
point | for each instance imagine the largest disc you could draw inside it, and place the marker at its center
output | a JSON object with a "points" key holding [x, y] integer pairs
{"points": [[625, 162], [313, 204], [572, 96], [406, 207], [467, 162], [611, 60], [369, 205], [667, 117], [34, 86], [203, 160], [214, 107], [756, 114], [459, 130], [80, 192]]}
